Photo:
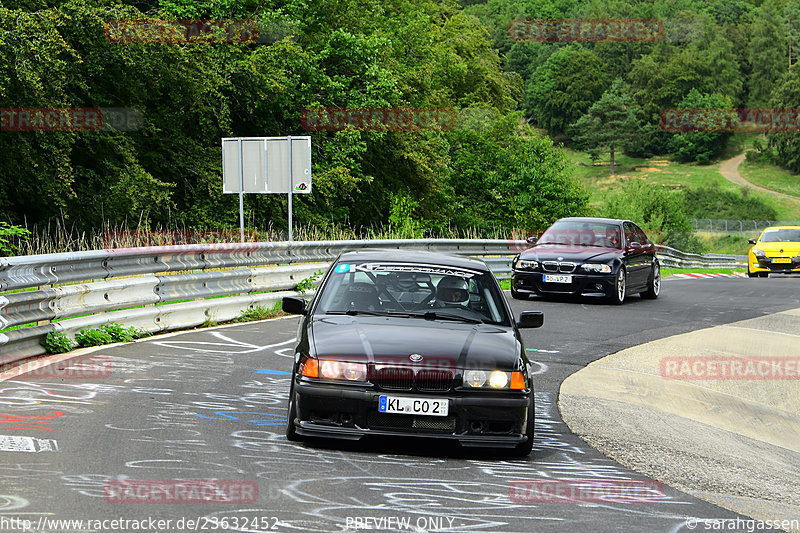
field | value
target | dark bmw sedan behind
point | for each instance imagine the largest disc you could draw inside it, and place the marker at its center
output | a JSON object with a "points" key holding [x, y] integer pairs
{"points": [[411, 344], [579, 256]]}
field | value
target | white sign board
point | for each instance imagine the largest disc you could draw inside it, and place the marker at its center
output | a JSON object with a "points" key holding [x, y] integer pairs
{"points": [[265, 165], [278, 171]]}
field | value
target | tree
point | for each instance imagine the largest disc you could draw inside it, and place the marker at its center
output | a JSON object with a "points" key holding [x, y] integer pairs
{"points": [[610, 123], [786, 144], [701, 146], [563, 88], [768, 53]]}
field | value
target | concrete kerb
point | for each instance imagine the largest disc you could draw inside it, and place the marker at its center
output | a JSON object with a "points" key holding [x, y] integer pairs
{"points": [[732, 442]]}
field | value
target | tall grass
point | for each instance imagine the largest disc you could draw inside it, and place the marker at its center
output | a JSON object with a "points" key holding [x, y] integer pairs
{"points": [[59, 236]]}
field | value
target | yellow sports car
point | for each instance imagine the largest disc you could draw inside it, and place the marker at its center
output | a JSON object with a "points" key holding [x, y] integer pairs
{"points": [[777, 250]]}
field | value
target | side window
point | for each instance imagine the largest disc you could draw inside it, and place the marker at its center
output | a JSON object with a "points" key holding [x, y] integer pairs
{"points": [[630, 234], [640, 236]]}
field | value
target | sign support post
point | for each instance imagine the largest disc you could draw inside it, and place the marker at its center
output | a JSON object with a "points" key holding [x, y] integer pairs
{"points": [[241, 192], [289, 138]]}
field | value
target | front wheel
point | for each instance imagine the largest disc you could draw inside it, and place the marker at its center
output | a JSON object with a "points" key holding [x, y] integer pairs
{"points": [[653, 284], [617, 295]]}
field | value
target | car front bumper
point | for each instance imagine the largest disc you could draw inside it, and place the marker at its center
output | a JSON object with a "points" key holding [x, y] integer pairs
{"points": [[766, 264], [485, 418], [582, 283]]}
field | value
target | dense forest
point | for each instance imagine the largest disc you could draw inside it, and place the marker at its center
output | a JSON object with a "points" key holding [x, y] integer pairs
{"points": [[500, 164]]}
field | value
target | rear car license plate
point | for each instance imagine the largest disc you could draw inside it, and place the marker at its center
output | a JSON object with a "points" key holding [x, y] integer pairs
{"points": [[557, 278], [412, 406], [781, 260]]}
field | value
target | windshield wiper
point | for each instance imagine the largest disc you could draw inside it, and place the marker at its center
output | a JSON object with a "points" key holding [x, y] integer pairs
{"points": [[354, 312], [434, 315]]}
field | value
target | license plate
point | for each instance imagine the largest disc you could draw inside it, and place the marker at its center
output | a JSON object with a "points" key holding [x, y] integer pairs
{"points": [[782, 260], [412, 406], [557, 278]]}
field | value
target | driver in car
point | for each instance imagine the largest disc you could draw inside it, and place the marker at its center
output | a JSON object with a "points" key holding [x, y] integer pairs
{"points": [[452, 291]]}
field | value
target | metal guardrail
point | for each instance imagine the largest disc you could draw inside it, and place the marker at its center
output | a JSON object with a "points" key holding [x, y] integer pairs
{"points": [[147, 288], [672, 258]]}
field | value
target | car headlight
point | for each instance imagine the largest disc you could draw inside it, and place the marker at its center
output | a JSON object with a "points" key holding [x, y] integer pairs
{"points": [[494, 379], [527, 264], [759, 253], [596, 267], [328, 369]]}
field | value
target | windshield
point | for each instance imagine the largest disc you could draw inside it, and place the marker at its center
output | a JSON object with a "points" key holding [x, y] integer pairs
{"points": [[781, 235], [413, 290], [578, 233]]}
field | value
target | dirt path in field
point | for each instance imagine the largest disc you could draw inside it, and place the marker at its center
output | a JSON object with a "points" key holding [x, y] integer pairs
{"points": [[730, 171]]}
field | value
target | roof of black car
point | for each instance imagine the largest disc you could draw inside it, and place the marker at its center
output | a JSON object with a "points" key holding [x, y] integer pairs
{"points": [[592, 219], [413, 256]]}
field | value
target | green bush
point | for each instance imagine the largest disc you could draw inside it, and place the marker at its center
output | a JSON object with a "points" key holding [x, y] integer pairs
{"points": [[8, 234], [714, 202], [701, 146], [57, 342], [119, 333], [308, 283], [93, 337], [258, 313], [658, 211]]}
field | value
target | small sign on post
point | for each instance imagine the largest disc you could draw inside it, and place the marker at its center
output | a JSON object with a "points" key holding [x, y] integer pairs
{"points": [[266, 165]]}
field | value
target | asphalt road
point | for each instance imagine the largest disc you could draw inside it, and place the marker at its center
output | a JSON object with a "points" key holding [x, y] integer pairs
{"points": [[211, 405]]}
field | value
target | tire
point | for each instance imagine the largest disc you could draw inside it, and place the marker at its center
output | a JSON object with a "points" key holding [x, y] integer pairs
{"points": [[291, 433], [763, 274], [617, 295], [523, 449], [653, 284]]}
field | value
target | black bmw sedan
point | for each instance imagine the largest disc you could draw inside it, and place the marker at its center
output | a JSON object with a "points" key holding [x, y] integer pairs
{"points": [[402, 343], [604, 256]]}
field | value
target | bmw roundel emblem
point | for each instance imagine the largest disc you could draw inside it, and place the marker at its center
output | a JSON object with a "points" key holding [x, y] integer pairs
{"points": [[560, 258], [415, 357]]}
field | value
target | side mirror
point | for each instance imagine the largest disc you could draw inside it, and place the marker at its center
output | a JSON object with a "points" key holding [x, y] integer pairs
{"points": [[293, 305], [532, 239], [751, 241], [531, 319]]}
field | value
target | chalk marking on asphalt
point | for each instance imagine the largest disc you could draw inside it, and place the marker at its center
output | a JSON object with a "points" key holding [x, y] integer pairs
{"points": [[541, 351], [542, 368]]}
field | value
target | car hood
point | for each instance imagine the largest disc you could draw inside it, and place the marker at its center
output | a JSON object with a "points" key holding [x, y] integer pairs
{"points": [[391, 340], [790, 249], [546, 252]]}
